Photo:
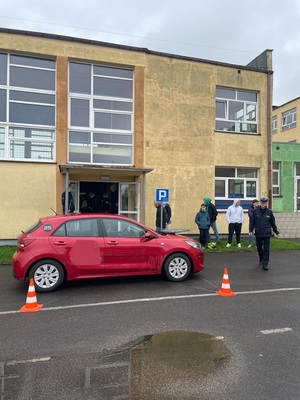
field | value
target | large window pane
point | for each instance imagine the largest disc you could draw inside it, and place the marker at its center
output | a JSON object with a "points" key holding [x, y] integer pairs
{"points": [[32, 61], [3, 69], [113, 87], [112, 121], [225, 93], [105, 154], [32, 114], [32, 78], [220, 188], [236, 188], [80, 78], [112, 138], [3, 105], [113, 105], [32, 97], [236, 111], [80, 112], [112, 71]]}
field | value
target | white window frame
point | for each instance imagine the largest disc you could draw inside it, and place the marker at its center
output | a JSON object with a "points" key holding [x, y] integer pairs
{"points": [[289, 119], [114, 146], [239, 124], [276, 172], [274, 124], [29, 142]]}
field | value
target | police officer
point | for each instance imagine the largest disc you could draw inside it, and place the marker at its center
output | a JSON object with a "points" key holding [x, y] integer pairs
{"points": [[261, 222]]}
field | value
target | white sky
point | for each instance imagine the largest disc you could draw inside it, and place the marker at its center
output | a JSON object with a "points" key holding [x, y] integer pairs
{"points": [[230, 31]]}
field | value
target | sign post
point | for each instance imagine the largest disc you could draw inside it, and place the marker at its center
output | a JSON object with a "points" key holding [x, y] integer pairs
{"points": [[162, 196]]}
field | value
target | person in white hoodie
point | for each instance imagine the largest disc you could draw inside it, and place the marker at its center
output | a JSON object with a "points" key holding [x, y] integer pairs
{"points": [[235, 218]]}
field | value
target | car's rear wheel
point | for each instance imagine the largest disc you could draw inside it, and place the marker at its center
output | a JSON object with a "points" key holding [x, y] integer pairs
{"points": [[177, 267], [48, 275]]}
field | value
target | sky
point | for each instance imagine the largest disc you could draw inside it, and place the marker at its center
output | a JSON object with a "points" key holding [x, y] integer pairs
{"points": [[229, 31]]}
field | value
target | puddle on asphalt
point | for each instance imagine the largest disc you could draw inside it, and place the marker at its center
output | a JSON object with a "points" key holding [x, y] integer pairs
{"points": [[164, 366]]}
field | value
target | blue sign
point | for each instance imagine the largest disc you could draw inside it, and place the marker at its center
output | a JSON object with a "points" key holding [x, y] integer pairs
{"points": [[162, 195]]}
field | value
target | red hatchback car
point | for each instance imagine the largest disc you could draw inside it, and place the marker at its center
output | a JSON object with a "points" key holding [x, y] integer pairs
{"points": [[80, 246]]}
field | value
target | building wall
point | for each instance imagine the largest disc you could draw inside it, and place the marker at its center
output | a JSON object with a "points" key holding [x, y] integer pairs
{"points": [[180, 141], [174, 131], [290, 135], [287, 154]]}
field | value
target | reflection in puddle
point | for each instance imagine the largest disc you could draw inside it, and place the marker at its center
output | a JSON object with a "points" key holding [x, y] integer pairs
{"points": [[165, 366]]}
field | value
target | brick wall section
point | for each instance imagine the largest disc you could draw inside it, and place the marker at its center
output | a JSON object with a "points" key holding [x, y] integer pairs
{"points": [[288, 224]]}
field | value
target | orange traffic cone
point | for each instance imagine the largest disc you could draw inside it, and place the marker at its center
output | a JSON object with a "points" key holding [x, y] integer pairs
{"points": [[225, 289], [31, 301]]}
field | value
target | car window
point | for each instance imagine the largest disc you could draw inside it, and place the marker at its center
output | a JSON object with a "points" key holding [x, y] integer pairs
{"points": [[118, 227], [81, 227]]}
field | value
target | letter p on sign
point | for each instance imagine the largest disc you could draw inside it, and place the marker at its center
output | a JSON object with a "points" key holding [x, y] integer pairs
{"points": [[162, 195]]}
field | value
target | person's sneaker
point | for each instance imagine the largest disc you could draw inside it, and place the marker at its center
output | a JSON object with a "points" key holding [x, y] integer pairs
{"points": [[239, 245], [260, 264], [250, 245], [265, 267], [228, 245]]}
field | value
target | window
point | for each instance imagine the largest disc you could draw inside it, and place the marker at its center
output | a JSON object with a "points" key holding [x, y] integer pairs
{"points": [[235, 183], [101, 114], [276, 178], [236, 110], [121, 228], [274, 124], [27, 108], [289, 119], [87, 227]]}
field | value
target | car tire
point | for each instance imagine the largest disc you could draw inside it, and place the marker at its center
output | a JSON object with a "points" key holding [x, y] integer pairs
{"points": [[177, 267], [48, 275]]}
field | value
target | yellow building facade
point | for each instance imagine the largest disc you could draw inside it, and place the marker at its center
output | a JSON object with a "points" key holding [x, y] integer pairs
{"points": [[94, 114], [284, 122]]}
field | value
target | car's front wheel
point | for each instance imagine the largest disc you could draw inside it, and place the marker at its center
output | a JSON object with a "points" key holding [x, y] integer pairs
{"points": [[48, 275], [177, 267]]}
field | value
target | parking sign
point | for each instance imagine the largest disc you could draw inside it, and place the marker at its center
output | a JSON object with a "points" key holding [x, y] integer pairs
{"points": [[162, 195]]}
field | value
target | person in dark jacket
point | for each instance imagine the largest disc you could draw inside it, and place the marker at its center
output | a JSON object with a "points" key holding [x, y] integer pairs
{"points": [[71, 204], [160, 224], [203, 222], [254, 205], [262, 222], [212, 212]]}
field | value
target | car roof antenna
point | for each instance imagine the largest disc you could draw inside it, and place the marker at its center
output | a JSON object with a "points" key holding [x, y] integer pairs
{"points": [[54, 211]]}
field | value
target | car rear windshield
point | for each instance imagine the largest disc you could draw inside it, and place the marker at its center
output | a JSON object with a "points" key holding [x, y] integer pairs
{"points": [[33, 227]]}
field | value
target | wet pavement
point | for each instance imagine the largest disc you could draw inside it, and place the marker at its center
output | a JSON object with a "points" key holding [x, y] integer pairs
{"points": [[166, 366]]}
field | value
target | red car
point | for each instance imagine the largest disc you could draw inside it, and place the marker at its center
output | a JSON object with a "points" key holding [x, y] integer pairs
{"points": [[79, 246]]}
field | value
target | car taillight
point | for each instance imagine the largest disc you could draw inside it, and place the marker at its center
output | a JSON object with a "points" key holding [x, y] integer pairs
{"points": [[24, 242]]}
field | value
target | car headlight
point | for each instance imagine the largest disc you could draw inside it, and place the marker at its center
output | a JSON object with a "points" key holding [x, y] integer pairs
{"points": [[196, 245]]}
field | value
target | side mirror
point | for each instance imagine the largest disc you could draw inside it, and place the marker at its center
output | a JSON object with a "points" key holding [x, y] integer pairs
{"points": [[149, 235]]}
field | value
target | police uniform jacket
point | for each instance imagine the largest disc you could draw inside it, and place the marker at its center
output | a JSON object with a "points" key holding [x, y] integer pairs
{"points": [[263, 221]]}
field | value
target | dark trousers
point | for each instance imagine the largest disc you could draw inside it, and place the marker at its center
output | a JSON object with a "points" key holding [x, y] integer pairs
{"points": [[237, 228], [203, 238], [263, 249]]}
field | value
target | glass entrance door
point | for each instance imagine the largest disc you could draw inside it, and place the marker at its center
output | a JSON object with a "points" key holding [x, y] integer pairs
{"points": [[129, 200]]}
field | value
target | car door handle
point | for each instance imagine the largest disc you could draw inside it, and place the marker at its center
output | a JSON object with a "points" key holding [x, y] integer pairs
{"points": [[60, 243], [113, 242]]}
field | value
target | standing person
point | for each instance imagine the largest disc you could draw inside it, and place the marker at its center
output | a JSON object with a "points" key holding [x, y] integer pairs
{"points": [[160, 224], [93, 203], [262, 223], [71, 203], [203, 222], [212, 212], [254, 205], [235, 218], [114, 199], [168, 213]]}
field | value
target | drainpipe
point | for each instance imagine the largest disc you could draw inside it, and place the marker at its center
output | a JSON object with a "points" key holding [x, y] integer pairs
{"points": [[66, 192], [269, 139]]}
